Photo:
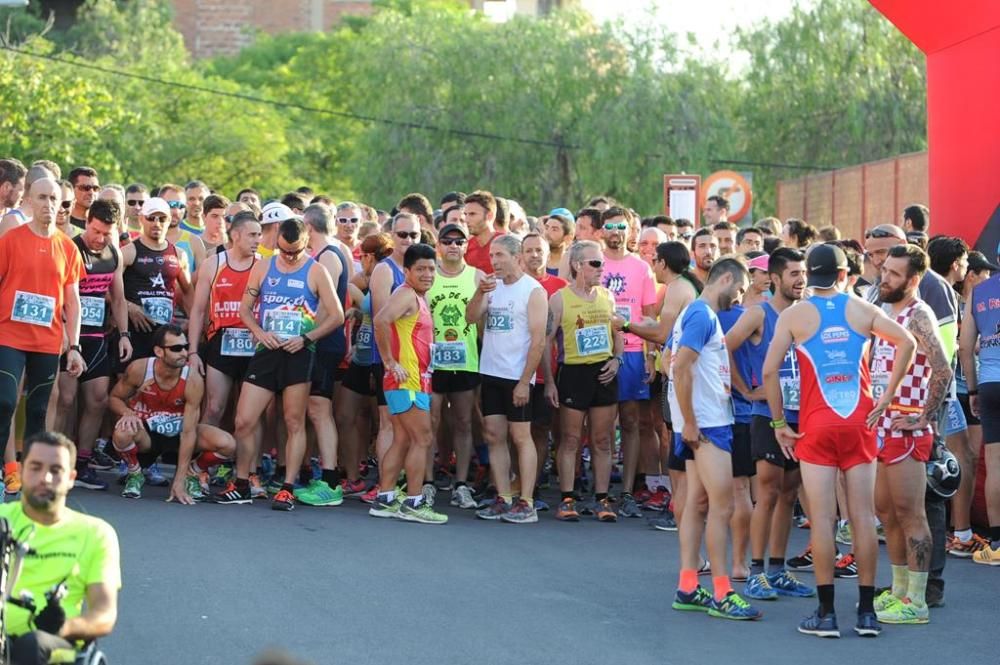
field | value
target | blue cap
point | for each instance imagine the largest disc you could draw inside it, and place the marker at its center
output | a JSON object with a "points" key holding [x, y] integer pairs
{"points": [[562, 211]]}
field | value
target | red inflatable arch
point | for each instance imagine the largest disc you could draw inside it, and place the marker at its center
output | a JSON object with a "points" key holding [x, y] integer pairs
{"points": [[961, 39]]}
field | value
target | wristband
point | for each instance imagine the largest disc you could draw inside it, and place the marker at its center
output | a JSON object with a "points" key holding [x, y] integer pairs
{"points": [[626, 325], [305, 339], [124, 334], [778, 424], [972, 393], [75, 347]]}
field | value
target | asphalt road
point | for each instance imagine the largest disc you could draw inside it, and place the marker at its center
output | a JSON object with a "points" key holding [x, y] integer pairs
{"points": [[217, 584]]}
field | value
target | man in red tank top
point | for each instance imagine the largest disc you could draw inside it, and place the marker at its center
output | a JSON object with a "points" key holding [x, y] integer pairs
{"points": [[158, 405]]}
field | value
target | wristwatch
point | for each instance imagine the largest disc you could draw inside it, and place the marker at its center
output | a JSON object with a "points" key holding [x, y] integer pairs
{"points": [[305, 339], [75, 347], [626, 325], [124, 334]]}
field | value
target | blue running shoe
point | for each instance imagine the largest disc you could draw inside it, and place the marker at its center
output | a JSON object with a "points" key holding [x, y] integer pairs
{"points": [[699, 600], [154, 478], [122, 472], [825, 626], [266, 467], [541, 505], [758, 587], [735, 608], [786, 584], [867, 625], [315, 468]]}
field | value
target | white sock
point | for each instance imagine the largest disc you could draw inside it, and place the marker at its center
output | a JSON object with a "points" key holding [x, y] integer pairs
{"points": [[965, 535], [415, 501], [387, 497]]}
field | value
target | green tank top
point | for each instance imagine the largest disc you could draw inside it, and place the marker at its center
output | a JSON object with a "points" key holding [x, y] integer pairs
{"points": [[455, 345]]}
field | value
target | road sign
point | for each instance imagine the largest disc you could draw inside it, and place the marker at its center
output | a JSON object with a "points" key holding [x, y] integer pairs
{"points": [[681, 196], [732, 186]]}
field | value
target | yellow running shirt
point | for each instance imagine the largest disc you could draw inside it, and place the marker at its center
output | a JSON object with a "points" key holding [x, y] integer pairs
{"points": [[585, 329]]}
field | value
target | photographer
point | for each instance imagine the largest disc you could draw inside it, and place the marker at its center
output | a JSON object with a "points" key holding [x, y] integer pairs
{"points": [[65, 548]]}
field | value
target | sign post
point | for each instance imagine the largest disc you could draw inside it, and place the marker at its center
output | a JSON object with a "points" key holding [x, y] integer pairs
{"points": [[681, 196]]}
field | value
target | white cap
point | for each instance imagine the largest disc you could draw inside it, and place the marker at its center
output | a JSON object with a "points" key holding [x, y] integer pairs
{"points": [[154, 205], [275, 212]]}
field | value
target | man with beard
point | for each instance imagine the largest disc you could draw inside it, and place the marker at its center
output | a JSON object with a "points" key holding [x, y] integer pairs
{"points": [[705, 248], [12, 174], [560, 230], [67, 547]]}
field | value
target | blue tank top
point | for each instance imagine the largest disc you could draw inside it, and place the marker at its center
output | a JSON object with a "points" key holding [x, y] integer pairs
{"points": [[741, 405], [788, 375], [398, 277], [336, 342], [287, 304], [838, 355], [986, 313]]}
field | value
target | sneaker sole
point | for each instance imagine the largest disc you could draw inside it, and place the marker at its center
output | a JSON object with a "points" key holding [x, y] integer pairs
{"points": [[375, 512], [753, 597], [89, 486], [233, 503], [794, 594], [529, 520], [420, 520], [991, 562], [821, 633], [867, 632], [684, 607], [733, 617], [805, 568], [904, 622], [573, 518], [131, 496], [606, 518], [961, 555], [283, 507]]}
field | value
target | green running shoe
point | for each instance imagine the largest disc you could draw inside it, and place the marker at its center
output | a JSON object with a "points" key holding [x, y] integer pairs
{"points": [[133, 485], [319, 493], [382, 509], [884, 600], [903, 612], [193, 487], [423, 514], [699, 600]]}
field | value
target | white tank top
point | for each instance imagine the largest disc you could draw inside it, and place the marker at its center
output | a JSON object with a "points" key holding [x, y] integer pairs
{"points": [[507, 338]]}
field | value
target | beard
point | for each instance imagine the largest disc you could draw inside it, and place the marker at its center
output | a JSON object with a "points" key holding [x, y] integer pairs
{"points": [[42, 501], [891, 295]]}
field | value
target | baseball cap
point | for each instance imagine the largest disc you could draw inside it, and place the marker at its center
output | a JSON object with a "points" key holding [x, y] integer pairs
{"points": [[275, 212], [448, 228], [759, 263], [564, 212], [155, 205], [823, 264], [978, 263]]}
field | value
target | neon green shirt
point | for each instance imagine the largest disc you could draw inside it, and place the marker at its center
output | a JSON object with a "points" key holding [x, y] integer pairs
{"points": [[456, 345], [80, 549]]}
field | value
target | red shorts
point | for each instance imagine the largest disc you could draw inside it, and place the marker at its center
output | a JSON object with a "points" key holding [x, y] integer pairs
{"points": [[842, 447], [894, 449]]}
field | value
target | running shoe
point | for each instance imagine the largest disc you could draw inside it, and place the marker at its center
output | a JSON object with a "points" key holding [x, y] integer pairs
{"points": [[352, 489], [786, 584], [989, 556], [880, 532], [154, 477], [884, 599], [442, 479], [429, 492], [758, 587], [315, 468], [422, 514], [369, 496], [627, 506], [846, 567], [88, 479], [520, 513], [12, 482], [586, 506], [385, 509], [803, 561], [232, 496], [605, 511], [461, 497], [494, 511], [100, 460], [699, 600], [658, 500], [705, 568], [843, 533], [257, 491], [541, 505], [193, 487], [283, 501], [273, 486], [964, 550], [867, 625], [663, 522], [267, 465], [643, 495], [223, 475], [319, 493], [734, 607], [133, 485], [567, 511], [122, 471], [820, 626], [801, 521]]}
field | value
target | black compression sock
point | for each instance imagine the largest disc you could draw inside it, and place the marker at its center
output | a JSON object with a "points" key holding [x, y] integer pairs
{"points": [[995, 535], [601, 496], [825, 593], [775, 565], [568, 495], [288, 487], [866, 599], [331, 477]]}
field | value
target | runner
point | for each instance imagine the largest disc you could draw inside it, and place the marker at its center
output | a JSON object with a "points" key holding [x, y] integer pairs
{"points": [[514, 307], [716, 210], [649, 239], [778, 478], [16, 216], [831, 331], [455, 353], [195, 193], [154, 273], [182, 238], [705, 248], [213, 235], [158, 405], [135, 195], [749, 239], [560, 231], [290, 289], [580, 317], [85, 183], [12, 173], [404, 332], [701, 409], [725, 233], [349, 220], [905, 436], [249, 195], [101, 288], [480, 213], [588, 227]]}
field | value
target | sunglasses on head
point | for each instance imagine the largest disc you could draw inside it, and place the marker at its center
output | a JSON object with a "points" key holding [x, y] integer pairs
{"points": [[615, 226], [880, 233], [453, 241], [348, 220], [88, 188], [176, 348], [135, 203], [176, 204], [595, 263], [66, 205], [403, 235]]}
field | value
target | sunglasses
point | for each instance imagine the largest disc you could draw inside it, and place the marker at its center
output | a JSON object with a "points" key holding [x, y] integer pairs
{"points": [[348, 220], [403, 235], [135, 203], [595, 263], [880, 233], [158, 219], [88, 188], [176, 204], [292, 254], [66, 205], [615, 226], [176, 348], [452, 241]]}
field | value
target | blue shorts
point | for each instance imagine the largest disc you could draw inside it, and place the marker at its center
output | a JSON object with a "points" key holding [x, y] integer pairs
{"points": [[954, 418], [632, 384], [721, 438], [401, 401]]}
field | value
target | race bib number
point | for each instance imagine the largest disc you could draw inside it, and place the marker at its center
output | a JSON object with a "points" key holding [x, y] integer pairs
{"points": [[34, 309], [237, 342], [283, 323], [499, 320], [790, 391], [159, 310], [592, 340], [624, 312], [165, 424], [448, 355], [92, 311], [880, 381], [364, 338]]}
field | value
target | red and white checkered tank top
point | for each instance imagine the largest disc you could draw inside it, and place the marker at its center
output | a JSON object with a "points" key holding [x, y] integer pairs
{"points": [[912, 394]]}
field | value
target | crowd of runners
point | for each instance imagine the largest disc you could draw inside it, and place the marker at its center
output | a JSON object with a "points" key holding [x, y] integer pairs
{"points": [[728, 382]]}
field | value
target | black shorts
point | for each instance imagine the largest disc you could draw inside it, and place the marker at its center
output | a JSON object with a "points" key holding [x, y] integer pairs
{"points": [[765, 445], [325, 373], [541, 410], [743, 464], [162, 444], [579, 388], [235, 367], [989, 411], [666, 404], [445, 382], [358, 379], [656, 387], [142, 344], [96, 353], [378, 375], [963, 399], [497, 399], [275, 369], [675, 462]]}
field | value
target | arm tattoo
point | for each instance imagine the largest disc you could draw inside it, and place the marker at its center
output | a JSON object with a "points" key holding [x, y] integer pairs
{"points": [[928, 342], [550, 324], [252, 291]]}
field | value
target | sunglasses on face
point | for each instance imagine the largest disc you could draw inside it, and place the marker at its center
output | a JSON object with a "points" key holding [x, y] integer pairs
{"points": [[348, 220], [453, 241], [595, 263], [157, 219], [292, 253], [615, 226], [135, 203], [176, 204], [176, 348], [66, 205], [403, 235], [88, 188]]}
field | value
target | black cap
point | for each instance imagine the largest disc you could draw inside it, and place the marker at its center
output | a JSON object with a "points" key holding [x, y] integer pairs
{"points": [[451, 226], [978, 263], [823, 264]]}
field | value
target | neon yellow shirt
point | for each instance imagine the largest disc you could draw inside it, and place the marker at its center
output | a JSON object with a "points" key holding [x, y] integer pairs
{"points": [[80, 549]]}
